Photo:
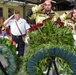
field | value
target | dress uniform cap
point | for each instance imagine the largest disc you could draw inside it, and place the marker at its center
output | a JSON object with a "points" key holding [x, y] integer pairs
{"points": [[17, 12]]}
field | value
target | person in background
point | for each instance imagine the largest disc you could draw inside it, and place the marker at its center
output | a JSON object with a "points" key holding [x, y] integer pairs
{"points": [[42, 11], [73, 16], [69, 18], [18, 28], [4, 31]]}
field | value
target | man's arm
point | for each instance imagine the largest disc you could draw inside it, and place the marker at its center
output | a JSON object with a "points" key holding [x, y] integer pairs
{"points": [[65, 15], [7, 20]]}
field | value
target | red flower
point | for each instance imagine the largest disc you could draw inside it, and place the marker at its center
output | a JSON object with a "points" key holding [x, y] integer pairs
{"points": [[39, 24], [34, 27], [14, 43], [61, 24], [46, 19]]}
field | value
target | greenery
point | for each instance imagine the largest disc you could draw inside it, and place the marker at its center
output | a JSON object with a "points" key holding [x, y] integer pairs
{"points": [[50, 35], [9, 52], [42, 40], [36, 64], [6, 49]]}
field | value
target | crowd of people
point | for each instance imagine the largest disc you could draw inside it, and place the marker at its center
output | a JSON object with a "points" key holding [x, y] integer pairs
{"points": [[19, 27]]}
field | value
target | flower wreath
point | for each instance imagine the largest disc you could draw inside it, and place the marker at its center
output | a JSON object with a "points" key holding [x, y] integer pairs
{"points": [[8, 51], [57, 52]]}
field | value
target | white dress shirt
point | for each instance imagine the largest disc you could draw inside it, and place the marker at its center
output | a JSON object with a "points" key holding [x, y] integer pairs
{"points": [[22, 24]]}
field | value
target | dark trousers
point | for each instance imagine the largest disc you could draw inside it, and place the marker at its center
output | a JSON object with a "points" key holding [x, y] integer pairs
{"points": [[21, 44]]}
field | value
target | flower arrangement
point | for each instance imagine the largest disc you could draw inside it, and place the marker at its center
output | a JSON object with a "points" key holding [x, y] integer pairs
{"points": [[35, 27], [48, 36], [8, 50]]}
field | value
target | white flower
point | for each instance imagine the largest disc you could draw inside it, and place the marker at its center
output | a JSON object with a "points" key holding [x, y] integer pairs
{"points": [[16, 52]]}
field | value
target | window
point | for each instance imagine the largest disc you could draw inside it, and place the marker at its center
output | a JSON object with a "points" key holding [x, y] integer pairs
{"points": [[1, 12], [10, 11], [1, 16]]}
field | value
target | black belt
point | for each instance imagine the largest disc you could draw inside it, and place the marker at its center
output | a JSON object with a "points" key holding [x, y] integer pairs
{"points": [[18, 36]]}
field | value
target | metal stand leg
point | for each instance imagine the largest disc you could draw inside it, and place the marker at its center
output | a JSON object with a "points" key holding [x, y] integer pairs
{"points": [[52, 61], [3, 69], [55, 67], [50, 64]]}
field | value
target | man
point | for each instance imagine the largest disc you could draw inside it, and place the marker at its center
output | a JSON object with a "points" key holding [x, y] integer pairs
{"points": [[74, 13], [69, 19], [72, 23], [42, 12], [19, 28]]}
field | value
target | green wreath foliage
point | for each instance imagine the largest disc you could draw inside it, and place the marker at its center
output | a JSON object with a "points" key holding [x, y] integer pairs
{"points": [[49, 36], [10, 69], [9, 52], [4, 41], [56, 52]]}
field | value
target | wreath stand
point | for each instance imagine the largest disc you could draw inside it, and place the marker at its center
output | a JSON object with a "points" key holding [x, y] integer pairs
{"points": [[2, 68], [52, 61]]}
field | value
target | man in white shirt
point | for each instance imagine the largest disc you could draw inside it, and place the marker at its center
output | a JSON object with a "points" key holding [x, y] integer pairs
{"points": [[18, 27]]}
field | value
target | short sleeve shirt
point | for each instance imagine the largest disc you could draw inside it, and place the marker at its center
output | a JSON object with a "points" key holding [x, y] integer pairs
{"points": [[22, 24]]}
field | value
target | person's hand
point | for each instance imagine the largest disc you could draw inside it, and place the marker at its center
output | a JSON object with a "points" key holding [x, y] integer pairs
{"points": [[12, 16], [69, 12], [42, 5], [7, 20]]}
